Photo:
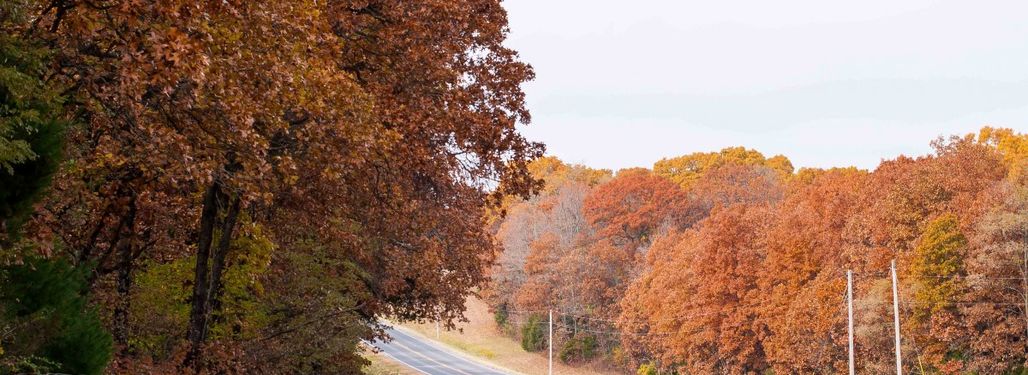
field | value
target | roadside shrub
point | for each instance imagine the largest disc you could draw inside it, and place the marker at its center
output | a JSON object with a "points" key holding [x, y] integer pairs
{"points": [[501, 315], [620, 358], [533, 334], [578, 348], [646, 369]]}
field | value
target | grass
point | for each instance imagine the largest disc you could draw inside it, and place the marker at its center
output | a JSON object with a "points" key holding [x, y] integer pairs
{"points": [[383, 365], [480, 337], [481, 352]]}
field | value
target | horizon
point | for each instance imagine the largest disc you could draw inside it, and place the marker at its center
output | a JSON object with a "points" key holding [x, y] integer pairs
{"points": [[796, 168]]}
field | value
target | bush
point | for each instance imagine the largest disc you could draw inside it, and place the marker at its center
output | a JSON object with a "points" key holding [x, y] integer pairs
{"points": [[619, 357], [578, 348], [501, 315], [56, 331], [533, 334], [646, 369]]}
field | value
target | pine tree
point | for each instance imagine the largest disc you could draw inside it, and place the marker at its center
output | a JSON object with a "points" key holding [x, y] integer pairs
{"points": [[52, 329], [30, 129]]}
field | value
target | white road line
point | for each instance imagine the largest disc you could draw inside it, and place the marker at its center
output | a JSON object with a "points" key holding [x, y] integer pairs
{"points": [[411, 350], [405, 363], [438, 345]]}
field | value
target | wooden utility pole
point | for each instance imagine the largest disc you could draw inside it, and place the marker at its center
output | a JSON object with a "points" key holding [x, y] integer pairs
{"points": [[551, 342], [1024, 275], [849, 311], [896, 318]]}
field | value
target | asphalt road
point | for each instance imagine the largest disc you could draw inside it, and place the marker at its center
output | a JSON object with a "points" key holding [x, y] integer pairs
{"points": [[429, 357]]}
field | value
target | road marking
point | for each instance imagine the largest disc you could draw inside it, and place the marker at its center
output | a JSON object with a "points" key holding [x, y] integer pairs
{"points": [[405, 363], [441, 346], [428, 358]]}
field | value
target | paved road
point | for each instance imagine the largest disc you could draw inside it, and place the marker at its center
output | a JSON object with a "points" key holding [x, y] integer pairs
{"points": [[429, 357]]}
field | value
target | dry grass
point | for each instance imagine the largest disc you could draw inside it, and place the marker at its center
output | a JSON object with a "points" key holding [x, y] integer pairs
{"points": [[383, 365], [480, 337]]}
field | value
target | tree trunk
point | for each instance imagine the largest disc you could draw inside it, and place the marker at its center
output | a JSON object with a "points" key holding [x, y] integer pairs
{"points": [[121, 310], [198, 313], [218, 258], [124, 281], [207, 287]]}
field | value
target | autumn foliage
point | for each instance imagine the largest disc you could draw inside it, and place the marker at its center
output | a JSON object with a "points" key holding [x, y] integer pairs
{"points": [[237, 187], [248, 186], [734, 263]]}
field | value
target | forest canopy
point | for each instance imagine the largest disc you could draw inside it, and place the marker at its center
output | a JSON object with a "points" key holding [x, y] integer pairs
{"points": [[732, 262], [246, 186]]}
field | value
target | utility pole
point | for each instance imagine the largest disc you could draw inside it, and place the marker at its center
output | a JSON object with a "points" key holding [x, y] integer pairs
{"points": [[896, 318], [849, 310], [551, 342], [1024, 274]]}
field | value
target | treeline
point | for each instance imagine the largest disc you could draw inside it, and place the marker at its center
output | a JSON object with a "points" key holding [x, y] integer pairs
{"points": [[731, 262], [246, 186]]}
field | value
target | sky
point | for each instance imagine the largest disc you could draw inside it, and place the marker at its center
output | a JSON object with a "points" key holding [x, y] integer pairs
{"points": [[827, 83]]}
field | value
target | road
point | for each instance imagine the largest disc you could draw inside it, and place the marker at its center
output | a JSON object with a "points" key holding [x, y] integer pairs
{"points": [[430, 357]]}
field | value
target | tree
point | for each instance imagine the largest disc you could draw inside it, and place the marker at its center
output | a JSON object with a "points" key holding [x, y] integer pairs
{"points": [[556, 173], [937, 265], [995, 323], [308, 316], [1013, 146], [533, 335], [181, 118], [731, 184], [630, 209], [692, 309], [695, 308], [628, 213], [45, 324], [898, 202], [807, 253], [30, 122], [937, 270], [198, 117], [687, 169], [542, 241], [51, 326]]}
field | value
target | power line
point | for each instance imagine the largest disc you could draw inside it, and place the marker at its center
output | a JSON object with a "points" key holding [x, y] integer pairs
{"points": [[642, 329]]}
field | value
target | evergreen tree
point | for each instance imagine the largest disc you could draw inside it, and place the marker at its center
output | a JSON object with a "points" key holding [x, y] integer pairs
{"points": [[51, 327], [43, 309], [30, 129]]}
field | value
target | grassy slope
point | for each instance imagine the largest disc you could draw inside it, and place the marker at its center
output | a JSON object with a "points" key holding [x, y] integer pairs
{"points": [[481, 338], [383, 365]]}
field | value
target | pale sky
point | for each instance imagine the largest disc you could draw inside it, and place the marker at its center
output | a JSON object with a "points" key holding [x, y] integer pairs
{"points": [[826, 83]]}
